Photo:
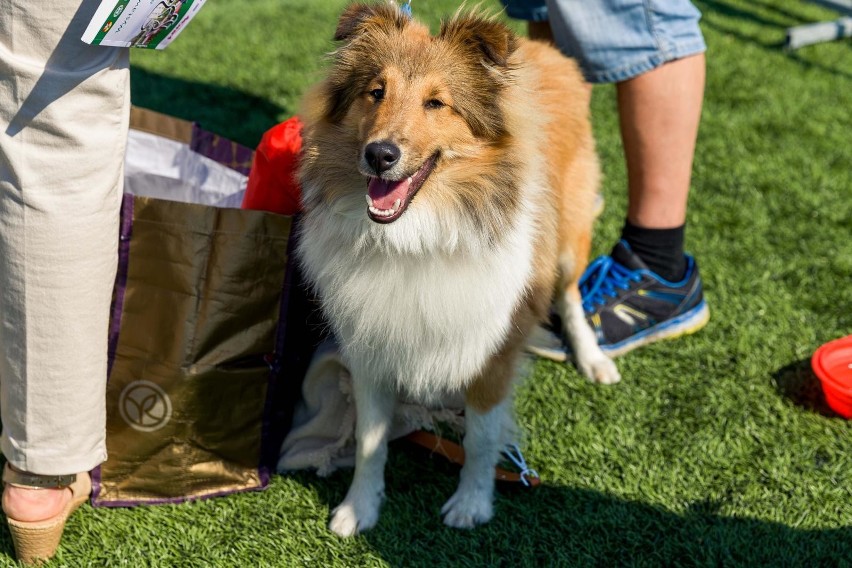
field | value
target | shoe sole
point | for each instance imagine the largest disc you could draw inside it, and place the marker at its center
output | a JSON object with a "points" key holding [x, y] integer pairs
{"points": [[548, 345], [685, 324], [36, 542]]}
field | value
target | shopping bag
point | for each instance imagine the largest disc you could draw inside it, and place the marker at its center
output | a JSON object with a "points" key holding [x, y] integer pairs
{"points": [[207, 341]]}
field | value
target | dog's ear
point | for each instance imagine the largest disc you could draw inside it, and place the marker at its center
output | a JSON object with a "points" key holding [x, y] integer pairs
{"points": [[352, 68], [357, 17], [492, 39]]}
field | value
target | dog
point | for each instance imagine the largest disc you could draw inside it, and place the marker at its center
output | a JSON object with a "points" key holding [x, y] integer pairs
{"points": [[475, 153]]}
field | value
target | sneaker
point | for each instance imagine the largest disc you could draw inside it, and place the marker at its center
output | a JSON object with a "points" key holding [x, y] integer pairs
{"points": [[627, 306]]}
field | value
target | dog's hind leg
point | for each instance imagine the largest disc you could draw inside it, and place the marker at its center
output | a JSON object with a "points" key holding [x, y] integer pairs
{"points": [[590, 360], [577, 216], [472, 503], [359, 510]]}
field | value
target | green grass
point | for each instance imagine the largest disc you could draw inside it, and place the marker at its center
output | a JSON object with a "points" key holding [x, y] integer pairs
{"points": [[716, 449]]}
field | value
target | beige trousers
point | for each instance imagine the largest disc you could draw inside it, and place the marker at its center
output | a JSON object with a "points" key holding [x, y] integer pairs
{"points": [[64, 109]]}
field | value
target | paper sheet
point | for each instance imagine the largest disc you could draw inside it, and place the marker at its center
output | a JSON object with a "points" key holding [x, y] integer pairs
{"points": [[150, 24]]}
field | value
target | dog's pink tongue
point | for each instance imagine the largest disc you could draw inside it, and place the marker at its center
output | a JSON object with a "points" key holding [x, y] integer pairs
{"points": [[384, 193]]}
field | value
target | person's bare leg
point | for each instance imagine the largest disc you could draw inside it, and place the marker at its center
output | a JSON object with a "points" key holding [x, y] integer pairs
{"points": [[540, 31], [659, 112]]}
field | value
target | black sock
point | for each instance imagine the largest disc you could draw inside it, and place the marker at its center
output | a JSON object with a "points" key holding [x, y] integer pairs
{"points": [[660, 249]]}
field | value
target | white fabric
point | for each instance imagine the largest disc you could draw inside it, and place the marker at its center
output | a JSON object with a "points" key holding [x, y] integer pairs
{"points": [[322, 436], [64, 111], [167, 169]]}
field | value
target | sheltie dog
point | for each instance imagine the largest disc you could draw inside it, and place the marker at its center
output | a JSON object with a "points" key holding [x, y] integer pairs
{"points": [[474, 150]]}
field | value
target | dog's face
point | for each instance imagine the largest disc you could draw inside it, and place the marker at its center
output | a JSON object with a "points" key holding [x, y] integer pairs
{"points": [[422, 112]]}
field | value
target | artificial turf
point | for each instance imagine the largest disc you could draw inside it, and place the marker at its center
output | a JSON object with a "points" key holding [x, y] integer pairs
{"points": [[716, 449]]}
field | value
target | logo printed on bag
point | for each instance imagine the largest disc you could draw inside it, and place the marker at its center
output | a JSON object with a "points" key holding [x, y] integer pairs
{"points": [[144, 406]]}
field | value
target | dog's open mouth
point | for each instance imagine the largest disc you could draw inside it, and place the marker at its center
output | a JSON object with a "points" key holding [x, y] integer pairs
{"points": [[387, 200]]}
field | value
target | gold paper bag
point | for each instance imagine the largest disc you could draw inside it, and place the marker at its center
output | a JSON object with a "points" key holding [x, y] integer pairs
{"points": [[196, 350]]}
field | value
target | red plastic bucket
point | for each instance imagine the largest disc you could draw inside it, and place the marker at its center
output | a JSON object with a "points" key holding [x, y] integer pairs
{"points": [[832, 364]]}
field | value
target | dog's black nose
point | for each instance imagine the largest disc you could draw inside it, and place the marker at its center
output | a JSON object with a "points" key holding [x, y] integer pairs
{"points": [[381, 156]]}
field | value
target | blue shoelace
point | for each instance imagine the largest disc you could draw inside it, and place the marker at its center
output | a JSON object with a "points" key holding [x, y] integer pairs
{"points": [[602, 279]]}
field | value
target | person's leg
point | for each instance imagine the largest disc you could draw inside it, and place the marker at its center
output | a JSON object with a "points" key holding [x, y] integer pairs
{"points": [[64, 109], [540, 31], [654, 52], [646, 289], [534, 13], [659, 113]]}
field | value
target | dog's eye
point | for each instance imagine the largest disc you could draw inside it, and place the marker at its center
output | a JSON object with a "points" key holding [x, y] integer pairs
{"points": [[433, 104], [377, 94]]}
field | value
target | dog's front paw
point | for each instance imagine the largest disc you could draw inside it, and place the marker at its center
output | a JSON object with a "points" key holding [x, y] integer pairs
{"points": [[467, 509], [599, 368], [349, 519]]}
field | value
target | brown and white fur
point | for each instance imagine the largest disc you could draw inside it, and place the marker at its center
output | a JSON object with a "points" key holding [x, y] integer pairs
{"points": [[437, 293]]}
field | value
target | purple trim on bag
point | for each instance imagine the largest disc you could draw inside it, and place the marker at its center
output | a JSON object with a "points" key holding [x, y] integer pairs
{"points": [[175, 500], [124, 234], [270, 437], [228, 153]]}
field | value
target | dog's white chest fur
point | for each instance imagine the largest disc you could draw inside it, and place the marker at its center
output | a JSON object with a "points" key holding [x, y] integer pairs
{"points": [[426, 323]]}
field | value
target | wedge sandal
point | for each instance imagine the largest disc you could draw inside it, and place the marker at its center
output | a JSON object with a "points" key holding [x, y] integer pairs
{"points": [[37, 541]]}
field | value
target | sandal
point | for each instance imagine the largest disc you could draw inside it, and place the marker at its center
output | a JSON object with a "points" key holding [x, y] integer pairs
{"points": [[37, 541]]}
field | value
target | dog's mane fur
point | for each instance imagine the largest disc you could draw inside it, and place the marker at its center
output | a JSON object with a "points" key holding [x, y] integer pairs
{"points": [[465, 45]]}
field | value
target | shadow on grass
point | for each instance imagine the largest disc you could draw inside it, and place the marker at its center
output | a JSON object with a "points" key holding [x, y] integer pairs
{"points": [[565, 526], [798, 383], [228, 112], [780, 22], [750, 14]]}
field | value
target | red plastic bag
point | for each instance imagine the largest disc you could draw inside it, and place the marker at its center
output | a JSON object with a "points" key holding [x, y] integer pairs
{"points": [[272, 184]]}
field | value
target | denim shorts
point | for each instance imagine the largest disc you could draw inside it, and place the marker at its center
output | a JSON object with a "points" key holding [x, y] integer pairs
{"points": [[616, 40], [530, 10]]}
